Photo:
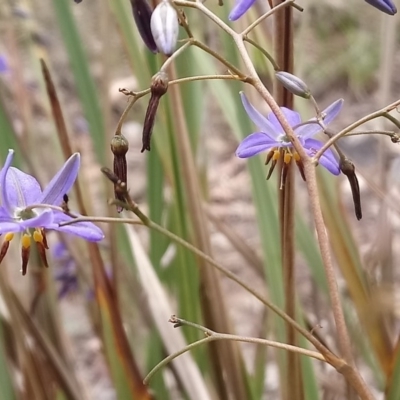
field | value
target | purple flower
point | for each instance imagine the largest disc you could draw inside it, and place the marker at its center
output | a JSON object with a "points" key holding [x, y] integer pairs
{"points": [[272, 138], [385, 6], [142, 15], [66, 273], [26, 208], [241, 6], [3, 64]]}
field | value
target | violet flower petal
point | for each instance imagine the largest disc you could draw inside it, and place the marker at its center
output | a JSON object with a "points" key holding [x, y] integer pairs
{"points": [[9, 224], [327, 159], [386, 6], [331, 112], [292, 117], [86, 230], [59, 250], [22, 189], [254, 144], [241, 6], [262, 123], [62, 182], [3, 174]]}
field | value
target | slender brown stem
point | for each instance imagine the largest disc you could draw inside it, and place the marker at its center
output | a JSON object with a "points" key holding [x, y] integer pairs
{"points": [[212, 336], [380, 113], [285, 4]]}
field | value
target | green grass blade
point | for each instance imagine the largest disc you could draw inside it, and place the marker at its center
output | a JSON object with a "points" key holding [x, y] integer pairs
{"points": [[85, 83], [7, 389], [8, 138]]}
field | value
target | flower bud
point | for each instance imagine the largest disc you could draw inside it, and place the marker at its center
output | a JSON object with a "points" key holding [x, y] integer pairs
{"points": [[348, 169], [294, 84], [165, 27], [386, 6], [159, 87], [119, 147], [142, 15]]}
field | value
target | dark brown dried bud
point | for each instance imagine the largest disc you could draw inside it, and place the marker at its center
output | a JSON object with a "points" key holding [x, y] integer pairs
{"points": [[119, 147], [159, 87], [142, 15], [348, 169]]}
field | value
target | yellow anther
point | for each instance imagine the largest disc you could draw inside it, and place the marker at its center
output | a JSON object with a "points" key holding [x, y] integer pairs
{"points": [[37, 236], [8, 237], [287, 158], [296, 156], [276, 155], [26, 241]]}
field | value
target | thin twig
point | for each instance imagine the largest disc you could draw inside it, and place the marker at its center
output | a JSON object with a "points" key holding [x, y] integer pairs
{"points": [[212, 336], [380, 113], [266, 15]]}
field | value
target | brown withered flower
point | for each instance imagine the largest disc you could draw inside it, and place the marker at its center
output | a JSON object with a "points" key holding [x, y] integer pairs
{"points": [[119, 147], [348, 168], [159, 86]]}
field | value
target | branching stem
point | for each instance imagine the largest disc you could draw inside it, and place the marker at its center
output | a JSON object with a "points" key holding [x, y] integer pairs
{"points": [[212, 335]]}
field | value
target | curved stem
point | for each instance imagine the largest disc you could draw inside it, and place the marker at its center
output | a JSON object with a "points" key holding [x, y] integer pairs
{"points": [[263, 51], [176, 54], [217, 56], [212, 335], [126, 111], [144, 220], [376, 114], [206, 12], [172, 356], [393, 135], [266, 15]]}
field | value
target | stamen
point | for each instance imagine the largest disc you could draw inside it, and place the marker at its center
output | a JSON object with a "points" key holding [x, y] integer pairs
{"points": [[25, 251], [26, 241], [287, 157], [271, 170], [25, 258], [269, 156], [37, 236], [46, 246], [276, 155], [6, 244], [285, 169], [301, 168], [42, 253], [9, 236]]}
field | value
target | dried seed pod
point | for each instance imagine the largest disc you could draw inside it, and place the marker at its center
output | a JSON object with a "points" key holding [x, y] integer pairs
{"points": [[165, 27], [119, 147], [348, 168], [159, 87]]}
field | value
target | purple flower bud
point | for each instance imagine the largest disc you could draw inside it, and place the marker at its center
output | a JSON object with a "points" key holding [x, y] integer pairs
{"points": [[293, 84], [386, 6], [165, 27], [142, 16]]}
